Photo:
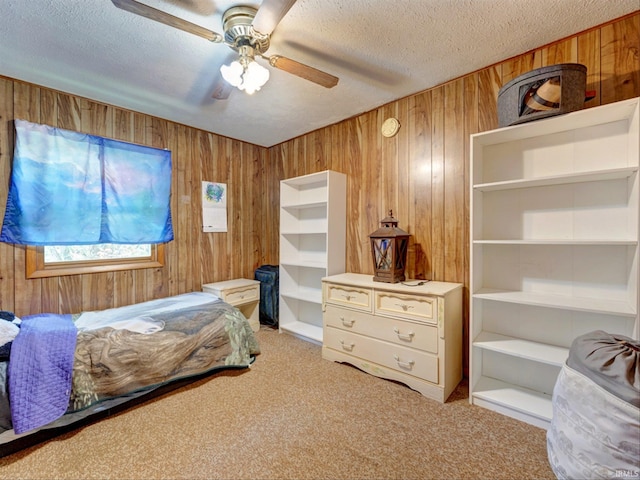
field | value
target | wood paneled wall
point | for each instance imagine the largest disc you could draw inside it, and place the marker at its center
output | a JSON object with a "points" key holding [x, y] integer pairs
{"points": [[194, 257], [422, 174]]}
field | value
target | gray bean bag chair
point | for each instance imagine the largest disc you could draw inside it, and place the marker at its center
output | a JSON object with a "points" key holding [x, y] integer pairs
{"points": [[595, 429]]}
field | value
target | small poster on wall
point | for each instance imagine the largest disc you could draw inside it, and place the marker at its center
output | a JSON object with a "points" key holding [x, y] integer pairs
{"points": [[214, 207]]}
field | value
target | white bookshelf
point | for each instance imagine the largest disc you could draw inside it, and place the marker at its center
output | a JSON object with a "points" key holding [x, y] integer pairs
{"points": [[312, 246], [554, 249]]}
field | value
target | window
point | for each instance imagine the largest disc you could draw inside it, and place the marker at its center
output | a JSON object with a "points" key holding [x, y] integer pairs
{"points": [[53, 261], [100, 251], [112, 197]]}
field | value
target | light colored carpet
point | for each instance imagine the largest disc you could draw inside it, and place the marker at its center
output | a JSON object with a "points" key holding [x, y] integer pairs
{"points": [[293, 415]]}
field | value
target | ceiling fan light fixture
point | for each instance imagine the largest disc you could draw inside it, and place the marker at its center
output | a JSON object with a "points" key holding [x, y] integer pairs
{"points": [[255, 76], [245, 73], [232, 73]]}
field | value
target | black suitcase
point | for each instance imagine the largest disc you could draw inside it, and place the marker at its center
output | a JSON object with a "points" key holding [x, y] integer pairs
{"points": [[268, 276]]}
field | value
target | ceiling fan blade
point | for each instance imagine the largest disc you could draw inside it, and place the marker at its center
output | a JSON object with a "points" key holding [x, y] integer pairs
{"points": [[269, 15], [304, 71], [163, 17]]}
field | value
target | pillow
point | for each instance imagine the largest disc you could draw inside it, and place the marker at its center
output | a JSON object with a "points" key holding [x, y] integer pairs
{"points": [[9, 328]]}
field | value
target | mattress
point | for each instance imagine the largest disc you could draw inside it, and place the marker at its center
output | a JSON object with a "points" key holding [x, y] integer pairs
{"points": [[126, 353]]}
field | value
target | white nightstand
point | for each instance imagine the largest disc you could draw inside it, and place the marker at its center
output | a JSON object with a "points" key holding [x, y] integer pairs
{"points": [[242, 293]]}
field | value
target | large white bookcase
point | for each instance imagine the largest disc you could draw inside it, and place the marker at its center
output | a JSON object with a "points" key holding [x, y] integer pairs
{"points": [[554, 250], [313, 211]]}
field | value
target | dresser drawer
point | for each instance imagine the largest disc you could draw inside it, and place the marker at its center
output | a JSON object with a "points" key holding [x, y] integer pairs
{"points": [[242, 295], [409, 334], [417, 307], [353, 297], [235, 295], [407, 360]]}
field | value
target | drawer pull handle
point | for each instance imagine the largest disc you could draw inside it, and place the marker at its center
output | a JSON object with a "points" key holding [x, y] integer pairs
{"points": [[406, 365], [347, 323], [347, 346], [404, 306], [404, 336], [347, 297]]}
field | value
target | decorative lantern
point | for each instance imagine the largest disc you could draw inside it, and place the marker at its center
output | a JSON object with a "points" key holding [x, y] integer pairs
{"points": [[389, 246]]}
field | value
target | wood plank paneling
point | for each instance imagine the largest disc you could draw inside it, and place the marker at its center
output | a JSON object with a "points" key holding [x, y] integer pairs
{"points": [[222, 261], [235, 212], [620, 60], [206, 146], [437, 185], [589, 56], [370, 186], [236, 253], [454, 182], [420, 134], [7, 266], [183, 224], [489, 85], [422, 173], [560, 52], [28, 293], [515, 67], [471, 108], [350, 151]]}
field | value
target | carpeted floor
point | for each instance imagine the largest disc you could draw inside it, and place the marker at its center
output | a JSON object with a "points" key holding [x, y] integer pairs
{"points": [[293, 415]]}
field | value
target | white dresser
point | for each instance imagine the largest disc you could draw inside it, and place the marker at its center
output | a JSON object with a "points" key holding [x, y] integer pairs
{"points": [[400, 331]]}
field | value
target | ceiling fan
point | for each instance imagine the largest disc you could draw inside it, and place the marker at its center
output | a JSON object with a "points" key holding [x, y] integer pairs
{"points": [[247, 31]]}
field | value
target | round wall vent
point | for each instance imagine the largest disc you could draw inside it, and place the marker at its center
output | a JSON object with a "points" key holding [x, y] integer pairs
{"points": [[390, 127]]}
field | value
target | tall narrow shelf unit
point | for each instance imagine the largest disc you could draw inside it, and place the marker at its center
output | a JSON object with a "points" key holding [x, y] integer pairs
{"points": [[313, 212], [554, 254]]}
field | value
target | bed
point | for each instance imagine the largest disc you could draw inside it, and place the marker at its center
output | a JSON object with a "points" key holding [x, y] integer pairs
{"points": [[595, 428], [62, 371]]}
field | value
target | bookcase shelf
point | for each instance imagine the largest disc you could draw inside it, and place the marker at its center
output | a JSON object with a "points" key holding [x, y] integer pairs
{"points": [[598, 175], [554, 249], [312, 246]]}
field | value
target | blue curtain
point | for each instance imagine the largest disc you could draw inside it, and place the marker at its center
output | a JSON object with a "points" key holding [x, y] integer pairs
{"points": [[70, 188]]}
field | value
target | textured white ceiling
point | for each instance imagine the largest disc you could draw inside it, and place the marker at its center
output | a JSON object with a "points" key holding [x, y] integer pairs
{"points": [[381, 50]]}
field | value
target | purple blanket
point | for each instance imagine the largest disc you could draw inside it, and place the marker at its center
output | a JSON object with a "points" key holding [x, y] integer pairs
{"points": [[40, 370]]}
